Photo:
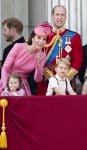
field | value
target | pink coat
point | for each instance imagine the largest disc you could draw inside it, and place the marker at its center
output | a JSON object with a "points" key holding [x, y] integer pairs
{"points": [[21, 61], [20, 92]]}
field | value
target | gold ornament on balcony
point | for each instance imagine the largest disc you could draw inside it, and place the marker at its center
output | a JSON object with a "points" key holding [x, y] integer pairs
{"points": [[3, 138]]}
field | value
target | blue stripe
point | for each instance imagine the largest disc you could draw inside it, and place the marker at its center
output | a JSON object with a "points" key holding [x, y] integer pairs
{"points": [[55, 51]]}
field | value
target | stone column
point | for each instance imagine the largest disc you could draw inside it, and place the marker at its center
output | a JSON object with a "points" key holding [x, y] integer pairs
{"points": [[18, 9]]}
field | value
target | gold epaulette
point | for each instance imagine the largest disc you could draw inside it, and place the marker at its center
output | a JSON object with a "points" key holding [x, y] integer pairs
{"points": [[47, 73], [71, 74]]}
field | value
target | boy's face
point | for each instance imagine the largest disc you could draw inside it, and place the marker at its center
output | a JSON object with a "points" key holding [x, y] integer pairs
{"points": [[62, 70], [13, 84]]}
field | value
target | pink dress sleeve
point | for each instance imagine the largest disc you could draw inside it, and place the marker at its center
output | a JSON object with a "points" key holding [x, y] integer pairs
{"points": [[6, 69], [21, 92], [38, 76], [5, 93]]}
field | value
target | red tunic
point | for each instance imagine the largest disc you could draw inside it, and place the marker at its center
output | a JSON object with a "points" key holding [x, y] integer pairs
{"points": [[73, 49]]}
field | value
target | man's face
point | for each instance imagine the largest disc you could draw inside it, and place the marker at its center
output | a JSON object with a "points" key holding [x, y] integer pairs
{"points": [[59, 17], [8, 33]]}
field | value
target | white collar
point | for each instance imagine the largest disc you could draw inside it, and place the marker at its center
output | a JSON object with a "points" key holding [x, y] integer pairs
{"points": [[59, 78]]}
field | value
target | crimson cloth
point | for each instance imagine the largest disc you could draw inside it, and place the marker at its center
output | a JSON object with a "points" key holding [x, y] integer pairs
{"points": [[46, 123]]}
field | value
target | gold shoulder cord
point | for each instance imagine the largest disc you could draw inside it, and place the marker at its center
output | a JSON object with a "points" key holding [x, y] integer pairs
{"points": [[52, 41], [3, 138]]}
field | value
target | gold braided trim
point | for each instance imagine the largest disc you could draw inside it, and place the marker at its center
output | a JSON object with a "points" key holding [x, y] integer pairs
{"points": [[56, 37], [71, 73], [47, 73], [51, 50]]}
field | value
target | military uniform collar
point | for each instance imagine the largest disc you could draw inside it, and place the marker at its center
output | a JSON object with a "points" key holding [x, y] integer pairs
{"points": [[58, 31]]}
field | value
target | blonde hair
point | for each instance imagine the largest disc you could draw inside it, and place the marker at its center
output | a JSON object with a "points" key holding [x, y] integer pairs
{"points": [[65, 61]]}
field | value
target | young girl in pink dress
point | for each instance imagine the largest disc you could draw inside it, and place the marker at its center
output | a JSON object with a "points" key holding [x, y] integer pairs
{"points": [[24, 58], [14, 86]]}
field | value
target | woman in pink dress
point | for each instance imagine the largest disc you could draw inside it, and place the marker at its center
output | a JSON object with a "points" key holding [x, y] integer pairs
{"points": [[24, 58]]}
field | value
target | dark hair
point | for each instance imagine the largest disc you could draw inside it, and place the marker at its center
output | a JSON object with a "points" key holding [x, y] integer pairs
{"points": [[29, 41], [30, 38], [15, 76], [56, 7], [14, 22]]}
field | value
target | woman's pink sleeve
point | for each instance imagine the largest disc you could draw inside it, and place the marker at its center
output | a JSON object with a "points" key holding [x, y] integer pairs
{"points": [[7, 67], [38, 76]]}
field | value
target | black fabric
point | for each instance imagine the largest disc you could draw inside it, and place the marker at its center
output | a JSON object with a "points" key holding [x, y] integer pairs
{"points": [[66, 91], [32, 83], [9, 47], [84, 66]]}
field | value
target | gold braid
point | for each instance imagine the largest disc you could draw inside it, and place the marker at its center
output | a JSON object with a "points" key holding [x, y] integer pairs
{"points": [[52, 41]]}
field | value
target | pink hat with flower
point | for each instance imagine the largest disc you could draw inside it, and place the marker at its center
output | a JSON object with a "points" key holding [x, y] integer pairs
{"points": [[44, 29]]}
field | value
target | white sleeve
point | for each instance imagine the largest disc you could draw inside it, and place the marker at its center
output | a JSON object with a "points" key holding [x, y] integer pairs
{"points": [[69, 87], [52, 84]]}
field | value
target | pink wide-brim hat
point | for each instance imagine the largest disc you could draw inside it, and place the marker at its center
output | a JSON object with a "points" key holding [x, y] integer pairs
{"points": [[44, 29]]}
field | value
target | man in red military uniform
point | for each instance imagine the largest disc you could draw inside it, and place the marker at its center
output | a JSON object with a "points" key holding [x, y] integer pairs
{"points": [[62, 43]]}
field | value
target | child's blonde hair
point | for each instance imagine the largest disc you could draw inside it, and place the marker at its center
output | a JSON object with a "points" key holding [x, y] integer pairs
{"points": [[65, 61]]}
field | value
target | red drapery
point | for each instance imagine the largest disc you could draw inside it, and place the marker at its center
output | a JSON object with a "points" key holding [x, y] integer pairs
{"points": [[46, 123]]}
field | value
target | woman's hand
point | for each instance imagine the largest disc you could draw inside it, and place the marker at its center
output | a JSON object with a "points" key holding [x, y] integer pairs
{"points": [[38, 58]]}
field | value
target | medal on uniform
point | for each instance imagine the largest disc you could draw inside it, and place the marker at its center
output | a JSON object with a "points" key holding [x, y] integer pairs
{"points": [[68, 48], [68, 40]]}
